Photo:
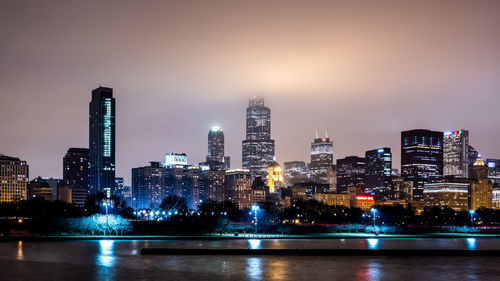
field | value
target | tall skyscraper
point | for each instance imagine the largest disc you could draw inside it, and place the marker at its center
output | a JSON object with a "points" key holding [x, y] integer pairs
{"points": [[421, 158], [350, 173], [102, 141], [148, 186], [378, 172], [294, 172], [481, 189], [321, 158], [76, 168], [215, 158], [456, 153], [258, 147], [14, 175]]}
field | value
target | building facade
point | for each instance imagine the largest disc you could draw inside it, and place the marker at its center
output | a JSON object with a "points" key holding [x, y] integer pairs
{"points": [[378, 168], [334, 199], [258, 147], [102, 141], [238, 188], [456, 153], [215, 158], [447, 194], [421, 158], [76, 171], [149, 186], [481, 189], [295, 171], [321, 158], [350, 173]]}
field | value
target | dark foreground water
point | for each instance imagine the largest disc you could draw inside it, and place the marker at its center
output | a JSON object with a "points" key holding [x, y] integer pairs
{"points": [[121, 260]]}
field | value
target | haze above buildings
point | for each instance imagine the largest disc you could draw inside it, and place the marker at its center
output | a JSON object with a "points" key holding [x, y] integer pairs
{"points": [[366, 72]]}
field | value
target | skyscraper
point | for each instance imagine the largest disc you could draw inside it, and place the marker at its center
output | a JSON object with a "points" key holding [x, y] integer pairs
{"points": [[215, 157], [149, 186], [76, 168], [421, 158], [238, 188], [295, 171], [13, 179], [456, 153], [321, 158], [481, 189], [378, 172], [102, 141], [350, 173], [258, 147]]}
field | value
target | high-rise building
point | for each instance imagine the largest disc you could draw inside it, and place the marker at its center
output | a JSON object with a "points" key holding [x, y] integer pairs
{"points": [[213, 182], [321, 158], [450, 194], [378, 170], [258, 147], [238, 188], [275, 179], [215, 158], [102, 141], [456, 153], [481, 189], [148, 186], [401, 189], [421, 158], [76, 168], [494, 171], [294, 172], [350, 173]]}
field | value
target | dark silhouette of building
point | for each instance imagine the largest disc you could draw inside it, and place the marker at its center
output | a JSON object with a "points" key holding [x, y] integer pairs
{"points": [[378, 170], [421, 158], [321, 158], [102, 141], [350, 173], [215, 158], [258, 147], [76, 173]]}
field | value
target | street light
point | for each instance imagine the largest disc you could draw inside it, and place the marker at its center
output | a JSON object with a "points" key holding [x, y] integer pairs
{"points": [[472, 212], [255, 208], [374, 211]]}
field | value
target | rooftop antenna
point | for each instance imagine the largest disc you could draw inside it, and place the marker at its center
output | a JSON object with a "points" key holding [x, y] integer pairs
{"points": [[326, 133], [317, 134]]}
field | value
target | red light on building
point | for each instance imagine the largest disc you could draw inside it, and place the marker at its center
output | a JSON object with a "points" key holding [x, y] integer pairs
{"points": [[365, 198]]}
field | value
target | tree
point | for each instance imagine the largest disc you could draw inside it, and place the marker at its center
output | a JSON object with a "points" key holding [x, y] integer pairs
{"points": [[173, 205]]}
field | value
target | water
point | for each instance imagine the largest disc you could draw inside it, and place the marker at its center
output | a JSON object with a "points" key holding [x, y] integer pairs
{"points": [[121, 260]]}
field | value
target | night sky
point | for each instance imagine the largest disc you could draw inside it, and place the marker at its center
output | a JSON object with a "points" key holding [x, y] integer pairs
{"points": [[366, 70]]}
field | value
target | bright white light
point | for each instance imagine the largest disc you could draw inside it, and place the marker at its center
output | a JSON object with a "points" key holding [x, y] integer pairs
{"points": [[372, 243], [471, 243], [254, 244]]}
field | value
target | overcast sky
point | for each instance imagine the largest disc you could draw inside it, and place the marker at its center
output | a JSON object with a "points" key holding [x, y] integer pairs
{"points": [[366, 70]]}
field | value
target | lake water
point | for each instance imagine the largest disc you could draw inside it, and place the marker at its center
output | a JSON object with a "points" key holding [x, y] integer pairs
{"points": [[121, 260]]}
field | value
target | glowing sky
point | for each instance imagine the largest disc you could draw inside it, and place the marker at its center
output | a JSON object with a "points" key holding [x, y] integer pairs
{"points": [[366, 70]]}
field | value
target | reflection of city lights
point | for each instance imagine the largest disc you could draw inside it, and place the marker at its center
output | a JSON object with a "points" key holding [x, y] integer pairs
{"points": [[254, 244], [372, 243], [106, 256], [20, 255], [254, 268], [471, 243]]}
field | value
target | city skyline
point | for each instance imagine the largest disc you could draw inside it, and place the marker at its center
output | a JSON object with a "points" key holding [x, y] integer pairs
{"points": [[337, 78]]}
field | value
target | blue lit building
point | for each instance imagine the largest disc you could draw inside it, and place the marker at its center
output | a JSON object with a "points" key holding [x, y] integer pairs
{"points": [[102, 141], [378, 168]]}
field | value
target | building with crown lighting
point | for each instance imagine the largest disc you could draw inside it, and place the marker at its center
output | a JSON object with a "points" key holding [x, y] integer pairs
{"points": [[456, 153], [480, 189], [215, 158], [321, 158], [258, 147]]}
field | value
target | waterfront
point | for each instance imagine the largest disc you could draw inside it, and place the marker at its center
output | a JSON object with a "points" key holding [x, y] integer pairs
{"points": [[121, 260]]}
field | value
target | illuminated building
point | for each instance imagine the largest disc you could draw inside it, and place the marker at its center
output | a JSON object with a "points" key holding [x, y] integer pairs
{"points": [[258, 147], [40, 186], [102, 141], [350, 173], [299, 192], [275, 180], [494, 171], [334, 199], [421, 158], [331, 178], [321, 158], [496, 198], [451, 194], [378, 168], [481, 189], [172, 159], [364, 202], [76, 172], [258, 195], [215, 158], [214, 185], [149, 186], [295, 171], [456, 153], [238, 188], [402, 189]]}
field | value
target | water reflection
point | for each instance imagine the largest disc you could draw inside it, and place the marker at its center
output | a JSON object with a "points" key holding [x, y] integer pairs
{"points": [[369, 271], [254, 268], [254, 244], [471, 243], [106, 256], [20, 255], [372, 243], [278, 269]]}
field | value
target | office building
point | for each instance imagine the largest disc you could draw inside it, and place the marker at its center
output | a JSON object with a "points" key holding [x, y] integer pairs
{"points": [[258, 147], [481, 189], [76, 173], [401, 189], [41, 186], [149, 186], [321, 158], [456, 153], [378, 168], [421, 158], [334, 199], [215, 158], [213, 183], [294, 172], [350, 173], [238, 188], [447, 194], [493, 171], [275, 178], [102, 141]]}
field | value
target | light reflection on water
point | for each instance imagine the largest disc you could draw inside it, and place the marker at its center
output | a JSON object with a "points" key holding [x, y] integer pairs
{"points": [[254, 244], [20, 255], [254, 268], [471, 243], [372, 243], [106, 256]]}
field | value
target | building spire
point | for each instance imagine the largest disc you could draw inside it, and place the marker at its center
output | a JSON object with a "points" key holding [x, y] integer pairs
{"points": [[326, 133], [317, 134]]}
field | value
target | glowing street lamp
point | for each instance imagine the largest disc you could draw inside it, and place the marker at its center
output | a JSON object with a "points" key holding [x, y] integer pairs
{"points": [[472, 212], [255, 209], [374, 212]]}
